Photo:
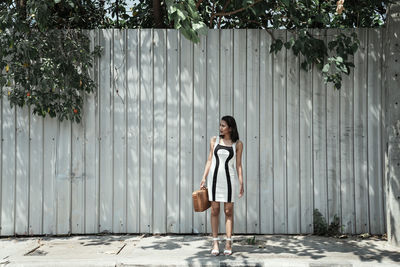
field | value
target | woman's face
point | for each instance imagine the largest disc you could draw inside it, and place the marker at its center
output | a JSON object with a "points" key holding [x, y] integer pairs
{"points": [[224, 128]]}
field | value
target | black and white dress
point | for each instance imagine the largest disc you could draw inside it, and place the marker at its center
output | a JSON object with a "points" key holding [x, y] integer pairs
{"points": [[222, 175]]}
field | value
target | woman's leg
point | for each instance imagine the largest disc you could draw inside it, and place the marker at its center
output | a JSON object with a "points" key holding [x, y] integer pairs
{"points": [[215, 221], [228, 208]]}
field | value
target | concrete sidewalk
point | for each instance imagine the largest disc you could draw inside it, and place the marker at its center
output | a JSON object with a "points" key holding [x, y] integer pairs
{"points": [[194, 250]]}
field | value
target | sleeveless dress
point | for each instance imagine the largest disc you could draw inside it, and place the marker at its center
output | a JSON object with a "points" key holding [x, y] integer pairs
{"points": [[221, 178]]}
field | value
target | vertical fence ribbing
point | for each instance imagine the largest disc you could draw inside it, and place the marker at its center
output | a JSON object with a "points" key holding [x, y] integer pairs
{"points": [[101, 149]]}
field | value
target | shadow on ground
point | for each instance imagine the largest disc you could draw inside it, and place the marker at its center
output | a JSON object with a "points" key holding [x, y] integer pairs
{"points": [[275, 246]]}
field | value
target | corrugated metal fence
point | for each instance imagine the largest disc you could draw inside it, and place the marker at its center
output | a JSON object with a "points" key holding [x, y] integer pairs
{"points": [[133, 163]]}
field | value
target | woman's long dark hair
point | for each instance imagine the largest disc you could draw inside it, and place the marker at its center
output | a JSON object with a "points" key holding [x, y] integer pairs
{"points": [[231, 124]]}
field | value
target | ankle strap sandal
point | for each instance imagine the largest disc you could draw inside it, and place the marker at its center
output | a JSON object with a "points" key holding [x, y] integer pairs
{"points": [[228, 252], [215, 252]]}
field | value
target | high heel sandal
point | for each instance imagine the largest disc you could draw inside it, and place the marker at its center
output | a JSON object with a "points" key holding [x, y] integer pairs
{"points": [[215, 252], [228, 252]]}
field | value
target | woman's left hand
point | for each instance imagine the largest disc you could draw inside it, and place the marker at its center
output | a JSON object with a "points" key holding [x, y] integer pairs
{"points": [[241, 190], [203, 184]]}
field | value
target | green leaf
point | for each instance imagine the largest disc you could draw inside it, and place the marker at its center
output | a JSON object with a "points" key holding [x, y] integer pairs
{"points": [[169, 2], [354, 48], [326, 68], [277, 45], [171, 9], [253, 11], [341, 68], [186, 33], [177, 24], [181, 15], [332, 45], [285, 2], [288, 45], [304, 65], [200, 28]]}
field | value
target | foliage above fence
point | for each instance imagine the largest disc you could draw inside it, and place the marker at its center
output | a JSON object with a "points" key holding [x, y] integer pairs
{"points": [[44, 64], [48, 69], [333, 59]]}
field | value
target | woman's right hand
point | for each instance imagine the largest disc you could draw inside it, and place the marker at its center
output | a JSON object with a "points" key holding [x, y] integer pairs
{"points": [[241, 190], [203, 184]]}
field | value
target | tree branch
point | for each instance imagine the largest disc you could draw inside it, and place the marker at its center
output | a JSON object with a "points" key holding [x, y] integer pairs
{"points": [[238, 10], [157, 13], [198, 3], [117, 12], [212, 16], [223, 10], [232, 12], [21, 5]]}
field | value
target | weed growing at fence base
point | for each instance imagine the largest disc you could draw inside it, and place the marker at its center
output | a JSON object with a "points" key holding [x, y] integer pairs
{"points": [[322, 228]]}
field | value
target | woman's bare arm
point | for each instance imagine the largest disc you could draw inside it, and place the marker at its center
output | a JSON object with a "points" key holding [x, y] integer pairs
{"points": [[239, 150]]}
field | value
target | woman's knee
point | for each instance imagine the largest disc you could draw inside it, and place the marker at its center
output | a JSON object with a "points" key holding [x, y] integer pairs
{"points": [[215, 209], [228, 211]]}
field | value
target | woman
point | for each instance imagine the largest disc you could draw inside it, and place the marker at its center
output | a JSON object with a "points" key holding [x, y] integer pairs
{"points": [[225, 152]]}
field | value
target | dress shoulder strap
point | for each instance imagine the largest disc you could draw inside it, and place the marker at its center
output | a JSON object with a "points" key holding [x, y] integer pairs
{"points": [[234, 147], [216, 141]]}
